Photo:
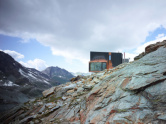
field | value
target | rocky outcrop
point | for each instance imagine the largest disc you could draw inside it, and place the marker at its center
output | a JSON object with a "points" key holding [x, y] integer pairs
{"points": [[76, 78], [139, 56], [131, 93], [151, 48], [48, 92], [154, 47]]}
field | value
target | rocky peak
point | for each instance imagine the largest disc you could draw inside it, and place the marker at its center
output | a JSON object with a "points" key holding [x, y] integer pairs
{"points": [[131, 93], [8, 65], [56, 71], [58, 75], [155, 46]]}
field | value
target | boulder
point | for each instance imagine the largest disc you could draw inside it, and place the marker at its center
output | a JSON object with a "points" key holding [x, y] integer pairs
{"points": [[25, 120], [64, 98], [154, 47], [64, 89], [55, 108], [87, 87], [162, 117], [48, 92], [76, 78], [139, 56], [70, 91], [69, 87], [42, 109], [50, 105]]}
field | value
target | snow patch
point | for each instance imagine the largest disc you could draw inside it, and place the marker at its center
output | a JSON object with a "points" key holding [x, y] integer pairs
{"points": [[27, 75], [10, 83], [22, 73], [46, 81], [31, 76]]}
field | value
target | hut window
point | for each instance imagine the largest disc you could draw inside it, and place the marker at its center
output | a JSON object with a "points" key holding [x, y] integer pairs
{"points": [[98, 66], [109, 57]]}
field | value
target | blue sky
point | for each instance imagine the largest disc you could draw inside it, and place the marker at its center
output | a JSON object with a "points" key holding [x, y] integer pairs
{"points": [[34, 50], [152, 35], [60, 33]]}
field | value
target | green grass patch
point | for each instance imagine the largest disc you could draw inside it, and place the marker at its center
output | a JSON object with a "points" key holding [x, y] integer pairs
{"points": [[121, 110], [53, 99]]}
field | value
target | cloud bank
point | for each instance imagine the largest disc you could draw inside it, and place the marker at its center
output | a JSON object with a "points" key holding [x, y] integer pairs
{"points": [[74, 28], [36, 63], [14, 54]]}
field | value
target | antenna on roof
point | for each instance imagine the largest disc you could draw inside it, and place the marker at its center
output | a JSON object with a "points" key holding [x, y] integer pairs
{"points": [[124, 57]]}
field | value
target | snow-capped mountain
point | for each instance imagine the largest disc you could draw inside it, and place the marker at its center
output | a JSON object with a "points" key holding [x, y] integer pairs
{"points": [[18, 83], [12, 71]]}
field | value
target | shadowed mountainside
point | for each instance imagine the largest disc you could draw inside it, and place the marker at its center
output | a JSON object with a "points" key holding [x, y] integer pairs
{"points": [[17, 83]]}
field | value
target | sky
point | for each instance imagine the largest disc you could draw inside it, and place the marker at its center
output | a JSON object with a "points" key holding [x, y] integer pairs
{"points": [[40, 33]]}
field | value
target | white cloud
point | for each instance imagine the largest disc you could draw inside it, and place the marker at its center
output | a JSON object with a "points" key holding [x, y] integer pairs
{"points": [[142, 47], [160, 36], [36, 63], [130, 56], [14, 54]]}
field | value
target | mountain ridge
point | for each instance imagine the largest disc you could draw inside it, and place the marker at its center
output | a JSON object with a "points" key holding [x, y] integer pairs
{"points": [[18, 84], [58, 74]]}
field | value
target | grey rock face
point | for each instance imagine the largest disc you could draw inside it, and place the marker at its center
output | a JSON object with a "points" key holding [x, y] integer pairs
{"points": [[42, 109], [48, 92], [132, 93]]}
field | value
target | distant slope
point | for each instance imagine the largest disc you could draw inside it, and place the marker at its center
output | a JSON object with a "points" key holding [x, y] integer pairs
{"points": [[57, 74], [18, 83]]}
